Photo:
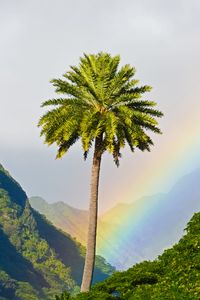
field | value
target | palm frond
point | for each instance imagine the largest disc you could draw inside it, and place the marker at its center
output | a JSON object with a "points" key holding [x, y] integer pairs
{"points": [[100, 99], [65, 145]]}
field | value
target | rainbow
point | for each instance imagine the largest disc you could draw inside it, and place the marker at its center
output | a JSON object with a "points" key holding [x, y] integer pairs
{"points": [[113, 239]]}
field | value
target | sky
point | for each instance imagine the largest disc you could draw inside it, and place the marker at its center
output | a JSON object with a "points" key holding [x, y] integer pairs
{"points": [[39, 40]]}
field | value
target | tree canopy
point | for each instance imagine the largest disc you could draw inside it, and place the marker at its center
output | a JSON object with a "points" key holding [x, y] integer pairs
{"points": [[100, 99]]}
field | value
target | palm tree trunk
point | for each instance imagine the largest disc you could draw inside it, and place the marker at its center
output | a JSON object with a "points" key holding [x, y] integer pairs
{"points": [[93, 212]]}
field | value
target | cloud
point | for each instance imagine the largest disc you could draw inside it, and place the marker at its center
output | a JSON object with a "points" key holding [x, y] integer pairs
{"points": [[40, 39]]}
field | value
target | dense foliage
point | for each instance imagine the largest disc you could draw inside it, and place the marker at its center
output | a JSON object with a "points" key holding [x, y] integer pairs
{"points": [[36, 260], [174, 275], [100, 99], [20, 230]]}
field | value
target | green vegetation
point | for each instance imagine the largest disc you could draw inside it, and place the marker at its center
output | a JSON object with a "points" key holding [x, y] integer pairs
{"points": [[33, 265], [174, 275], [102, 105], [23, 250]]}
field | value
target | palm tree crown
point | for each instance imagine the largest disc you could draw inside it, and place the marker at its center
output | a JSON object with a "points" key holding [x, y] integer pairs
{"points": [[101, 100]]}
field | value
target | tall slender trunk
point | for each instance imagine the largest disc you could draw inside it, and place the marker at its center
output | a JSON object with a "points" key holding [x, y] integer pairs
{"points": [[93, 212]]}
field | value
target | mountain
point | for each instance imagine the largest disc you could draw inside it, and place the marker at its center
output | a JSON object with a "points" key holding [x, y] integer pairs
{"points": [[130, 234], [157, 226], [72, 220], [69, 219], [36, 259], [174, 275]]}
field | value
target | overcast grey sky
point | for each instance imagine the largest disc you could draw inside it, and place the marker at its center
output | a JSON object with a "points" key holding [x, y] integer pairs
{"points": [[38, 42]]}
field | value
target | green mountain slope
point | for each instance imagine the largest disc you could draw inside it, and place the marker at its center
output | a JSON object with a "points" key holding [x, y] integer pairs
{"points": [[174, 275], [36, 259]]}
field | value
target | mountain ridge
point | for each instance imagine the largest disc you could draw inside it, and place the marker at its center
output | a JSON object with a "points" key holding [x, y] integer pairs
{"points": [[162, 221]]}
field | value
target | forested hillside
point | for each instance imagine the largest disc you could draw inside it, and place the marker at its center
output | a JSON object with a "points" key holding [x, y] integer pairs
{"points": [[174, 275], [36, 259]]}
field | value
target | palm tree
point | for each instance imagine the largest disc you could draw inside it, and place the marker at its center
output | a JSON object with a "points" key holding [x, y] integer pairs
{"points": [[101, 104]]}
